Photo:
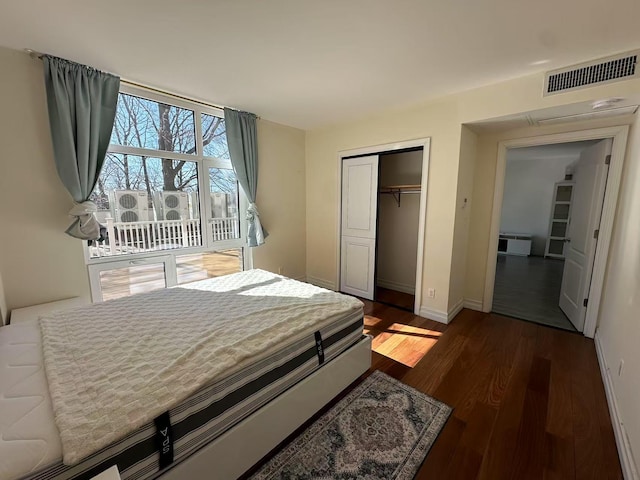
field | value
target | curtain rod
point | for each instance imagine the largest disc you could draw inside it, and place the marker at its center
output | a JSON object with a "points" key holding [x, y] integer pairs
{"points": [[39, 55], [169, 94]]}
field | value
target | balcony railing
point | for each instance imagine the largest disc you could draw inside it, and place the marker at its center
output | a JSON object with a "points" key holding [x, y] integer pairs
{"points": [[123, 238], [224, 228]]}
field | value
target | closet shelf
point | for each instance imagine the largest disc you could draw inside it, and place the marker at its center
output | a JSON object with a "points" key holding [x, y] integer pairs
{"points": [[398, 190]]}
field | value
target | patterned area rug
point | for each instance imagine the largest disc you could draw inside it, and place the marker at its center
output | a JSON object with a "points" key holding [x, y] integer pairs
{"points": [[382, 430]]}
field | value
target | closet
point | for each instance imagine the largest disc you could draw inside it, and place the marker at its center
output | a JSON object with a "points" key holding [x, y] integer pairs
{"points": [[381, 201]]}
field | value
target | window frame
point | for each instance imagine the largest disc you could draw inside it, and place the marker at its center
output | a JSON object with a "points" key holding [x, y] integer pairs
{"points": [[203, 163], [95, 269]]}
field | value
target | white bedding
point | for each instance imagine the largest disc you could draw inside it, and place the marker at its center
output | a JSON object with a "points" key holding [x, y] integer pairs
{"points": [[115, 366], [29, 439]]}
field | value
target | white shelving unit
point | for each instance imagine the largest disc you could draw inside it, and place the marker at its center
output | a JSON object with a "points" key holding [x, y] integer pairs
{"points": [[560, 219]]}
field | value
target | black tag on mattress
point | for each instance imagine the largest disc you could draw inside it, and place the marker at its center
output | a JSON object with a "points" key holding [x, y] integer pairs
{"points": [[319, 348], [164, 439]]}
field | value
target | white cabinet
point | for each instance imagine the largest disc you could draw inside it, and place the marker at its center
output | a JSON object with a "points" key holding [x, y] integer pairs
{"points": [[514, 244]]}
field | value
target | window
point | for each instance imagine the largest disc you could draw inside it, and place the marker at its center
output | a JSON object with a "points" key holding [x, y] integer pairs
{"points": [[167, 198]]}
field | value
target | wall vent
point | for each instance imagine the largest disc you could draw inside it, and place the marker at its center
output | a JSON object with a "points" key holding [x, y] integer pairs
{"points": [[604, 70]]}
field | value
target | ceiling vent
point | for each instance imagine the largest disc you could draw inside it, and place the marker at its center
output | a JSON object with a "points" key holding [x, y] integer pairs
{"points": [[604, 70]]}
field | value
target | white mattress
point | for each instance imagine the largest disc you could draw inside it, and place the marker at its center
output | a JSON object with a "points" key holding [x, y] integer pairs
{"points": [[29, 439]]}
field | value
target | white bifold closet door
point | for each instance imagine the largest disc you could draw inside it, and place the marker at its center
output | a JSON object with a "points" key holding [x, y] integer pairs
{"points": [[358, 233]]}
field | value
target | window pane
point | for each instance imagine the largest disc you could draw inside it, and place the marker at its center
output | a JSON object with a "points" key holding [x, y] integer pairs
{"points": [[192, 268], [561, 211], [146, 204], [147, 124], [214, 137], [122, 282], [556, 247], [564, 193], [225, 222], [559, 229]]}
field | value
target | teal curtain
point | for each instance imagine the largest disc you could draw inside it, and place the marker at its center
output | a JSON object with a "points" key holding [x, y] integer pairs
{"points": [[82, 107], [242, 139]]}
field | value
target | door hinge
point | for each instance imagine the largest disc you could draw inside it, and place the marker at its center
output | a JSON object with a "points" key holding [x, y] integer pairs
{"points": [[607, 160], [596, 233], [586, 301]]}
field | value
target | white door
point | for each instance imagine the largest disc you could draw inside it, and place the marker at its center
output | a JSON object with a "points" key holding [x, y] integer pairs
{"points": [[358, 226], [590, 177]]}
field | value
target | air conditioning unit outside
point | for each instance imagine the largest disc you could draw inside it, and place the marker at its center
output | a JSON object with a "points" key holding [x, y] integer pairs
{"points": [[173, 205], [194, 205], [219, 204], [130, 205]]}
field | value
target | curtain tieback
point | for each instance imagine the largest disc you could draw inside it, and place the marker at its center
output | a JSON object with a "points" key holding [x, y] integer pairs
{"points": [[255, 234], [85, 224], [252, 212]]}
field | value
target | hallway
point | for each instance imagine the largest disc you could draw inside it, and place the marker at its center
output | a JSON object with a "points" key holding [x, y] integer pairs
{"points": [[528, 288]]}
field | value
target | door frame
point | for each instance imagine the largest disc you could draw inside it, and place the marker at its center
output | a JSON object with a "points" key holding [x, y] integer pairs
{"points": [[425, 143], [619, 135]]}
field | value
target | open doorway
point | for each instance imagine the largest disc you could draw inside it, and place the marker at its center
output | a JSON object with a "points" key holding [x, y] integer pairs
{"points": [[399, 192], [550, 219]]}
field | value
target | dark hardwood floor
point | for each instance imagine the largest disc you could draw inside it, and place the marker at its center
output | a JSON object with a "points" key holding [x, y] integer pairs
{"points": [[401, 300], [528, 400], [529, 288]]}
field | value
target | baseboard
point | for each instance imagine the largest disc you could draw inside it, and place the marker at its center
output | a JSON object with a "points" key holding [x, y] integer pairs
{"points": [[455, 310], [439, 315], [398, 287], [319, 282], [432, 314], [629, 468], [472, 304]]}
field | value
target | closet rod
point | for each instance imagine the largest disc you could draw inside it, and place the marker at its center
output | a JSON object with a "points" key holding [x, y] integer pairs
{"points": [[397, 193]]}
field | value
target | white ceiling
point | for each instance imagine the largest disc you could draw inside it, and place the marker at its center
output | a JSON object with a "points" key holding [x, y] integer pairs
{"points": [[558, 150], [311, 62]]}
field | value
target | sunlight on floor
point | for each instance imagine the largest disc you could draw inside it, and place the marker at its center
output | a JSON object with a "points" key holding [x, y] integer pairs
{"points": [[403, 343]]}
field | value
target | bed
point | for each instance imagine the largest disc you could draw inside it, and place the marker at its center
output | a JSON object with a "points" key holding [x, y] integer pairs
{"points": [[231, 419]]}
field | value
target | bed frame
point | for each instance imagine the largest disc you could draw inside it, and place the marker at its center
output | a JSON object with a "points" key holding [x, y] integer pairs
{"points": [[244, 445]]}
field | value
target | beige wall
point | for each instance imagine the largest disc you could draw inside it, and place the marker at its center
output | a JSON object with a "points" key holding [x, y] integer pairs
{"points": [[3, 304], [439, 121], [397, 241], [468, 145], [40, 263], [281, 199], [619, 319]]}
